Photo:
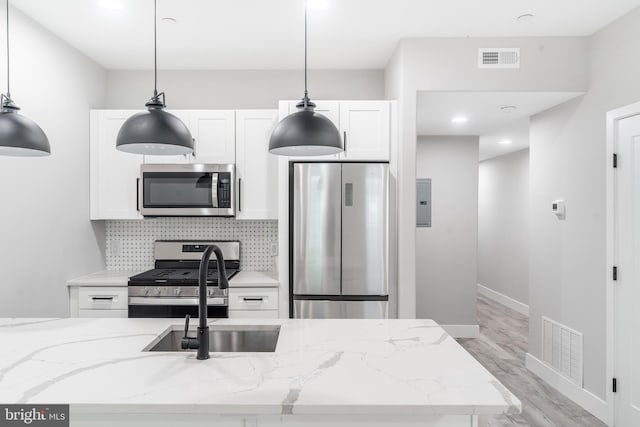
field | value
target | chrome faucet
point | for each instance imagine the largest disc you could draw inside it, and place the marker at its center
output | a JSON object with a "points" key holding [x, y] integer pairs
{"points": [[201, 341]]}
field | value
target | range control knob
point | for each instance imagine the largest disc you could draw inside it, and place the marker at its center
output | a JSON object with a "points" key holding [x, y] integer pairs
{"points": [[211, 292], [177, 291], [156, 291], [145, 291]]}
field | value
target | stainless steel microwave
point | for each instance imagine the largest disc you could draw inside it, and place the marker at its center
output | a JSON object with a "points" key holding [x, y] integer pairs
{"points": [[187, 190]]}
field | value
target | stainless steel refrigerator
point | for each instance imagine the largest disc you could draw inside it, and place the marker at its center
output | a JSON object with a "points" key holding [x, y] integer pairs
{"points": [[339, 244]]}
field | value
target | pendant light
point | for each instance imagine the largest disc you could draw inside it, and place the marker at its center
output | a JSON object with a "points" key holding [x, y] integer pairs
{"points": [[19, 135], [155, 131], [305, 132]]}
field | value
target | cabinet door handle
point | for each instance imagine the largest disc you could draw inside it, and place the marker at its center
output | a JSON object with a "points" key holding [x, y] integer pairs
{"points": [[253, 299], [239, 194], [138, 194], [345, 140], [102, 298]]}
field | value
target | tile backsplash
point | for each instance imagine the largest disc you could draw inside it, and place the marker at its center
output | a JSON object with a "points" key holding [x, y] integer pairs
{"points": [[130, 243]]}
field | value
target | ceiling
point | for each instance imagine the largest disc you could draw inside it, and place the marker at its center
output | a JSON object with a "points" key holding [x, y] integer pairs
{"points": [[491, 143], [486, 116], [267, 34]]}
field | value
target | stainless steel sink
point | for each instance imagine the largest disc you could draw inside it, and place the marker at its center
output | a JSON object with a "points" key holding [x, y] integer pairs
{"points": [[223, 338]]}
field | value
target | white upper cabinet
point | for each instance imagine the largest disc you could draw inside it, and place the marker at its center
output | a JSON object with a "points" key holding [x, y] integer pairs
{"points": [[113, 174], [329, 109], [185, 117], [229, 136], [365, 126], [214, 132], [256, 168]]}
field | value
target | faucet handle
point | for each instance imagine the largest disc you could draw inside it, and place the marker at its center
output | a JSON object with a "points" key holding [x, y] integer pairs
{"points": [[188, 343], [186, 324]]}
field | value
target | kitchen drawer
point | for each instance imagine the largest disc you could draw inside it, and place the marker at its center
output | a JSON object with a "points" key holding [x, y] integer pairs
{"points": [[253, 298], [103, 313], [253, 314], [102, 298]]}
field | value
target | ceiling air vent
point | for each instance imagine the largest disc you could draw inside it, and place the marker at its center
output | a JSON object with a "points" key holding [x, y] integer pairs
{"points": [[499, 57]]}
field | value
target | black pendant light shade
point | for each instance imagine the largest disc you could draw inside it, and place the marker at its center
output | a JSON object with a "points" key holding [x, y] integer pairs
{"points": [[155, 131], [19, 135], [305, 133]]}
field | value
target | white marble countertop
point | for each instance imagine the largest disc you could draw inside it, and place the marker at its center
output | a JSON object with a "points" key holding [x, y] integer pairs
{"points": [[244, 279], [323, 367], [104, 278], [255, 279]]}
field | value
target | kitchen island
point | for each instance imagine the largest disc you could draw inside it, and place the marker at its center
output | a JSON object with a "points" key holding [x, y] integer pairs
{"points": [[337, 372]]}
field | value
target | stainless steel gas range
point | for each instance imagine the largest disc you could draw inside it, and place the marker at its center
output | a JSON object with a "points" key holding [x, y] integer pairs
{"points": [[171, 288]]}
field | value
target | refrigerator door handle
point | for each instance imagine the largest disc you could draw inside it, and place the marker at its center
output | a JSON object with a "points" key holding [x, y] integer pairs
{"points": [[348, 194]]}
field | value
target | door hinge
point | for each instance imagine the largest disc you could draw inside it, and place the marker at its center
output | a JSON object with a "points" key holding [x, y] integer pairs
{"points": [[614, 385], [615, 160], [615, 272]]}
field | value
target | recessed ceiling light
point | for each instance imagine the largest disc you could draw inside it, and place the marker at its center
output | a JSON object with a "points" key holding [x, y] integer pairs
{"points": [[506, 142], [168, 20], [113, 5], [525, 18], [508, 108], [459, 120], [317, 4]]}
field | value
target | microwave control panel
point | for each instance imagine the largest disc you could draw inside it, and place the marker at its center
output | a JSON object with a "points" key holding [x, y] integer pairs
{"points": [[224, 189]]}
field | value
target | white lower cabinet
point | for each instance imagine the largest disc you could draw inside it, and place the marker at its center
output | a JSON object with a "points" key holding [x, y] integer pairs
{"points": [[98, 301], [259, 303]]}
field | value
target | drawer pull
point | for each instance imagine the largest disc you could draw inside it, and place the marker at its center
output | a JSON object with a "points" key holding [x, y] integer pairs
{"points": [[102, 298], [253, 299]]}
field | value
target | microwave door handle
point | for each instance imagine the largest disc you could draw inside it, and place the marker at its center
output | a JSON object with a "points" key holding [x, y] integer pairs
{"points": [[214, 190]]}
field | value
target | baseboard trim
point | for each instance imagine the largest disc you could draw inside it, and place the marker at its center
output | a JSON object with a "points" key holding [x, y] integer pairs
{"points": [[462, 331], [587, 400], [504, 300]]}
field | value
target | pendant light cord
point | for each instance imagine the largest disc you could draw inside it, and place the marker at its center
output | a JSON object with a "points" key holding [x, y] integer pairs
{"points": [[155, 48], [8, 68], [306, 93]]}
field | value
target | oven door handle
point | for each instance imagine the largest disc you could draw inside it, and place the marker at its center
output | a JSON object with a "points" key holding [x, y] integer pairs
{"points": [[175, 301]]}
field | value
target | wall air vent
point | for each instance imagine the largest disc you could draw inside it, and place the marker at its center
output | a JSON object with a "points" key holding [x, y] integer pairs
{"points": [[499, 57], [562, 349]]}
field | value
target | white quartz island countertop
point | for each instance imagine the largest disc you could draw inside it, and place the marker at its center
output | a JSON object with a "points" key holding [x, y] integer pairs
{"points": [[319, 367]]}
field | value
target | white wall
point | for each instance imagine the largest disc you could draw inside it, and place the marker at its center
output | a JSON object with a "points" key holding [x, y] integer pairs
{"points": [[241, 88], [503, 227], [47, 237], [568, 160], [450, 64], [446, 252]]}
